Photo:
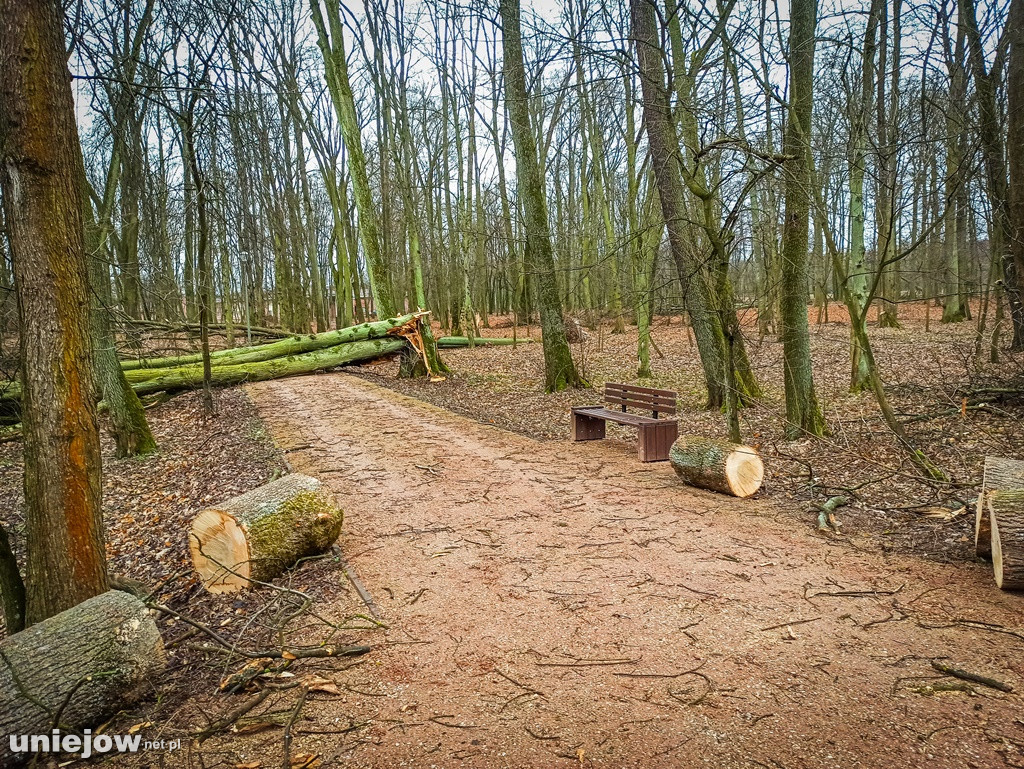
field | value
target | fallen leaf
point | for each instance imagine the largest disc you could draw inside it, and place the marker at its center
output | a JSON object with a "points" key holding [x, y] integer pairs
{"points": [[305, 761], [315, 683], [139, 727]]}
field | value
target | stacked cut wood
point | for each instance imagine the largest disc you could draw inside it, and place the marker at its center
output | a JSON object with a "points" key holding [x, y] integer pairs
{"points": [[717, 465], [999, 521], [76, 668], [255, 536], [291, 356]]}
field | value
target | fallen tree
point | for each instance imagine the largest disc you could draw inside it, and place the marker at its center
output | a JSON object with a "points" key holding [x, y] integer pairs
{"points": [[287, 357], [294, 345], [75, 669]]}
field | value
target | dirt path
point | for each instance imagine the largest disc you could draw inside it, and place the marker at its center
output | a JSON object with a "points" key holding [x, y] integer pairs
{"points": [[552, 604]]}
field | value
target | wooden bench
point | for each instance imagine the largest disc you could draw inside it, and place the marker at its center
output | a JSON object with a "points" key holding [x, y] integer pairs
{"points": [[656, 435]]}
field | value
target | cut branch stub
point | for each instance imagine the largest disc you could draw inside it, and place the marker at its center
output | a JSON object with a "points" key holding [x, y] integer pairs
{"points": [[255, 536], [710, 463]]}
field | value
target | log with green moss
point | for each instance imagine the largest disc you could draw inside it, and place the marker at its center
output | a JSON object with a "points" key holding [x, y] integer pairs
{"points": [[294, 345], [191, 377], [449, 342], [710, 463], [76, 668], [257, 535]]}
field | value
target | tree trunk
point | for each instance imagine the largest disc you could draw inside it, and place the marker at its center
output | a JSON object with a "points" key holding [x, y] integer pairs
{"points": [[1015, 156], [12, 587], [559, 368], [664, 148], [332, 46], [191, 377], [75, 669], [802, 413], [257, 535], [38, 140], [710, 463]]}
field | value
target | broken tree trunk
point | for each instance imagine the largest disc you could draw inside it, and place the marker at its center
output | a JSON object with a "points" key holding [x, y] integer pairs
{"points": [[76, 668], [1000, 474], [191, 377], [146, 368], [257, 535], [1006, 515], [710, 463]]}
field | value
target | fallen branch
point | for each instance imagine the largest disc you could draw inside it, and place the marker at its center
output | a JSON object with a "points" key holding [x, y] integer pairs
{"points": [[965, 675], [826, 518]]}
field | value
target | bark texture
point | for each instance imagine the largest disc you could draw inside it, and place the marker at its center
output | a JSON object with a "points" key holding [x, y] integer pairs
{"points": [[66, 560], [1000, 474], [1006, 510], [76, 668], [560, 370], [259, 534], [802, 412]]}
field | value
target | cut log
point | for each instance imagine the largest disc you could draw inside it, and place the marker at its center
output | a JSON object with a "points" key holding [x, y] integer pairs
{"points": [[76, 668], [1006, 515], [1000, 474], [709, 463], [257, 535]]}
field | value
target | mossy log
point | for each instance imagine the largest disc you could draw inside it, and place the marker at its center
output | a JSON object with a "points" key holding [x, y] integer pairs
{"points": [[1006, 514], [257, 535], [191, 377], [76, 668], [1000, 474], [449, 342], [710, 463], [147, 368]]}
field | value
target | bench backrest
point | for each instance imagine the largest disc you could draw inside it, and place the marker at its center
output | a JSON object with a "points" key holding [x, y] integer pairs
{"points": [[646, 398]]}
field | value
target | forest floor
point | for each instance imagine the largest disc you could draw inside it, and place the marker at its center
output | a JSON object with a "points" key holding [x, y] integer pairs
{"points": [[543, 603]]}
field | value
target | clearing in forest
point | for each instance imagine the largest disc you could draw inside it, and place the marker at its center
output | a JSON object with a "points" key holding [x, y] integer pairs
{"points": [[550, 604]]}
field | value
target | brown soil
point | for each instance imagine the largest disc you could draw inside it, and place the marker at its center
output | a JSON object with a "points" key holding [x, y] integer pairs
{"points": [[552, 604]]}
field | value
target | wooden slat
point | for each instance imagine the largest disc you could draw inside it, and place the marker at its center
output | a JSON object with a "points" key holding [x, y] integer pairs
{"points": [[621, 417], [647, 398]]}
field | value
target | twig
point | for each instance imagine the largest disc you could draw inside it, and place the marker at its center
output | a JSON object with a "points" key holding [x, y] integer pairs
{"points": [[232, 716], [287, 763], [965, 675], [785, 624]]}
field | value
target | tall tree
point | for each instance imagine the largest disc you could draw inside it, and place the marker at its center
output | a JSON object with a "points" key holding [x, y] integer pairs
{"points": [[1015, 143], [802, 412], [559, 368], [664, 148], [66, 558], [330, 39]]}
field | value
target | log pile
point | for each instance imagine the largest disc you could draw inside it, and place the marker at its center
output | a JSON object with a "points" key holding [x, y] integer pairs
{"points": [[76, 668], [717, 465], [999, 521], [257, 535]]}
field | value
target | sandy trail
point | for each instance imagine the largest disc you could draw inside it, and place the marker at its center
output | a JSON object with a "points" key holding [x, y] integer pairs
{"points": [[558, 604]]}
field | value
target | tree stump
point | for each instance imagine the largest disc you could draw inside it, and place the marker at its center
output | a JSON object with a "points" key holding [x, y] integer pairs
{"points": [[710, 463], [999, 474], [257, 535], [76, 668], [1006, 515]]}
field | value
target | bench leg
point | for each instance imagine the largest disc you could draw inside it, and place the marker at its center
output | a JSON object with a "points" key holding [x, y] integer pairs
{"points": [[586, 428], [655, 440]]}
